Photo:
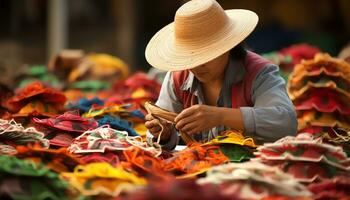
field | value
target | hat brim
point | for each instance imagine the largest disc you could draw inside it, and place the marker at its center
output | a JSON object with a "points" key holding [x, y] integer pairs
{"points": [[163, 53]]}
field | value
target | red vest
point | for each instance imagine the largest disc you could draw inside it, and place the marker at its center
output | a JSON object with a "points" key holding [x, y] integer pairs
{"points": [[241, 91]]}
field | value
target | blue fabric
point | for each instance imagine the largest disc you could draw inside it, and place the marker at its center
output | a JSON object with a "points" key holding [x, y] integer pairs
{"points": [[84, 105], [118, 124], [137, 113]]}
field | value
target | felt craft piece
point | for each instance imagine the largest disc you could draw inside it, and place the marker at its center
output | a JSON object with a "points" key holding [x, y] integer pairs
{"points": [[194, 158], [99, 66], [335, 188], [317, 81], [298, 52], [58, 160], [313, 118], [143, 163], [325, 100], [236, 153], [12, 133], [68, 122], [90, 85], [308, 172], [107, 157], [100, 140], [175, 189], [232, 137], [84, 104], [136, 88], [255, 180], [37, 91], [306, 158], [319, 73], [322, 62], [6, 149], [294, 94], [105, 139], [125, 111], [102, 179], [117, 123], [22, 179], [38, 108]]}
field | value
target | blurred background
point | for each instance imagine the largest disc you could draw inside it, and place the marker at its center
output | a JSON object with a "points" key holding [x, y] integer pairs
{"points": [[34, 30]]}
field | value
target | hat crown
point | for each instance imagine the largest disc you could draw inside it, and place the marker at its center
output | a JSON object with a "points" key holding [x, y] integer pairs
{"points": [[198, 19]]}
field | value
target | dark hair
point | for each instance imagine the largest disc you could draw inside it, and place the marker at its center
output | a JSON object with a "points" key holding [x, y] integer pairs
{"points": [[238, 52]]}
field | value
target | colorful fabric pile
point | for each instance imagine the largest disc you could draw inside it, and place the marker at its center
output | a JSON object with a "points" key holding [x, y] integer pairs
{"points": [[253, 180], [36, 100], [105, 139], [102, 179], [319, 89], [174, 189], [306, 158], [13, 134], [289, 57], [335, 188], [58, 160], [234, 145], [22, 179], [38, 73], [62, 129]]}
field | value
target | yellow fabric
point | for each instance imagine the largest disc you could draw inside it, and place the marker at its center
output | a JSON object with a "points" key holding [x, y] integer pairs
{"points": [[312, 118], [107, 64], [232, 137], [294, 94], [102, 178]]}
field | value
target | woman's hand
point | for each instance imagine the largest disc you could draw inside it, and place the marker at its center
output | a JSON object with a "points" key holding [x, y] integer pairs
{"points": [[152, 124], [198, 118]]}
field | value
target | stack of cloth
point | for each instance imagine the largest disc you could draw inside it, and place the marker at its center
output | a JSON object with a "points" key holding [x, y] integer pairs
{"points": [[306, 158], [21, 179], [107, 145], [62, 129], [319, 89], [288, 57], [102, 180], [13, 134], [254, 180], [36, 99]]}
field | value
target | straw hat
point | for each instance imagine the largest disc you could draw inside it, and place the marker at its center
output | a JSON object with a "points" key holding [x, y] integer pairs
{"points": [[201, 31]]}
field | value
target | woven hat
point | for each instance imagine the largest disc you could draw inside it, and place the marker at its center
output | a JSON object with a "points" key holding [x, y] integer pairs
{"points": [[201, 31]]}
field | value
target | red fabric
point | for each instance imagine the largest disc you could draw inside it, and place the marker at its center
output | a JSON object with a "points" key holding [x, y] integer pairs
{"points": [[67, 122], [298, 52], [325, 100], [241, 92], [35, 90]]}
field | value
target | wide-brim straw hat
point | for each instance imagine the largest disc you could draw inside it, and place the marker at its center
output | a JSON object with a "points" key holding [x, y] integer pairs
{"points": [[201, 31]]}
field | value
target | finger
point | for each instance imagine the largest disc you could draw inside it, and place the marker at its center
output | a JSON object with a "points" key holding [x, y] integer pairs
{"points": [[180, 124], [152, 123], [155, 129], [149, 117], [185, 113], [189, 128]]}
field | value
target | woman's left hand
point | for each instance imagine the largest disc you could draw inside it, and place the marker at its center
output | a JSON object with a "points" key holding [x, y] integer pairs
{"points": [[198, 118]]}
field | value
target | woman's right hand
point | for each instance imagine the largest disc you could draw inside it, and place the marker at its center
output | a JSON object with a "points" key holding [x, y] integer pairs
{"points": [[152, 124]]}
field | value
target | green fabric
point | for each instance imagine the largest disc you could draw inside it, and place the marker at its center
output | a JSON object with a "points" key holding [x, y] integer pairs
{"points": [[37, 70], [90, 85], [35, 180], [236, 153]]}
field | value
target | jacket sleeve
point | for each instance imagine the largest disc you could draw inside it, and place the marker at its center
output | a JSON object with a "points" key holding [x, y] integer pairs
{"points": [[273, 115]]}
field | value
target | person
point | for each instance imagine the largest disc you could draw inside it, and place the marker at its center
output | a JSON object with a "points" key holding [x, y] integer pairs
{"points": [[213, 82]]}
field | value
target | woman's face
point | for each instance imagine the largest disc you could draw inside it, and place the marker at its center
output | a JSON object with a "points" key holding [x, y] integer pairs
{"points": [[211, 70]]}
